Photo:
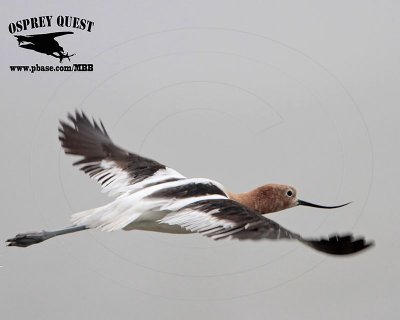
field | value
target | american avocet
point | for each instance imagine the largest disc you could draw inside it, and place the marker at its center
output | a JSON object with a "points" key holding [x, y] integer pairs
{"points": [[153, 197]]}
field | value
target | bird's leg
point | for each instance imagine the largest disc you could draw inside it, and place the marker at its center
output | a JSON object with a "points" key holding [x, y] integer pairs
{"points": [[29, 238], [60, 56], [55, 56], [69, 55]]}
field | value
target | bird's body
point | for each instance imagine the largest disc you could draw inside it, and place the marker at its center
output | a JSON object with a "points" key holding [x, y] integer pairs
{"points": [[153, 197], [144, 208]]}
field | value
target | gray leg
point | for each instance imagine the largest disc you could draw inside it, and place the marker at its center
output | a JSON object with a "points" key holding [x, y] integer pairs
{"points": [[29, 238]]}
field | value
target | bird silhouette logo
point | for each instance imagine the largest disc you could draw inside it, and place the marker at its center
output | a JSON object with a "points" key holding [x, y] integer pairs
{"points": [[45, 43]]}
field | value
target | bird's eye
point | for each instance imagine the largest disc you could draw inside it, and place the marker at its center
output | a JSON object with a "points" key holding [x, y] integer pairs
{"points": [[289, 193]]}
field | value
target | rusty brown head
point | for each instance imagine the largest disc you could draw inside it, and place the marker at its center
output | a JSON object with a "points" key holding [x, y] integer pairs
{"points": [[274, 197]]}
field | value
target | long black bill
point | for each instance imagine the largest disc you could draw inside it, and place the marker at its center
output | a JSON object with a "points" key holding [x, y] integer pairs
{"points": [[308, 204]]}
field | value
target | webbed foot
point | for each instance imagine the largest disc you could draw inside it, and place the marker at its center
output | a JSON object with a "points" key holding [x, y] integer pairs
{"points": [[27, 239]]}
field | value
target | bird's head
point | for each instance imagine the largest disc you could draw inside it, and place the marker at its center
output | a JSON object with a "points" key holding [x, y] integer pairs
{"points": [[276, 197]]}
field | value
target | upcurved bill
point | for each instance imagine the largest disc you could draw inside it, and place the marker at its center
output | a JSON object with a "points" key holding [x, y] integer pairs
{"points": [[308, 204]]}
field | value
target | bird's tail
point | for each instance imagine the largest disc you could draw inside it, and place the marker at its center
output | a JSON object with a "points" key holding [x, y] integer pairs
{"points": [[21, 38], [338, 244], [86, 218], [113, 216]]}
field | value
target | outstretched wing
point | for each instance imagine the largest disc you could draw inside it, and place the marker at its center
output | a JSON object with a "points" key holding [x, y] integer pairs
{"points": [[48, 35], [223, 218], [117, 170]]}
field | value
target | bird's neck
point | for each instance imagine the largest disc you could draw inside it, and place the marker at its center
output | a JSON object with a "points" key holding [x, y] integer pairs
{"points": [[248, 199]]}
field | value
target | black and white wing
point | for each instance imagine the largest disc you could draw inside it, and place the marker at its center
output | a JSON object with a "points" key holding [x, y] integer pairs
{"points": [[117, 170], [223, 218]]}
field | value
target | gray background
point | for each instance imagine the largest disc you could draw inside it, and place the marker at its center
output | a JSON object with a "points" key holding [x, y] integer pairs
{"points": [[244, 92]]}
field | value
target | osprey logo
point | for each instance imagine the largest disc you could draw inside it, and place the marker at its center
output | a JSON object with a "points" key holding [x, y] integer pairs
{"points": [[45, 43]]}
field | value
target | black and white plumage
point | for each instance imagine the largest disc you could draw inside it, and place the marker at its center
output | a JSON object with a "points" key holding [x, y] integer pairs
{"points": [[151, 196], [117, 170]]}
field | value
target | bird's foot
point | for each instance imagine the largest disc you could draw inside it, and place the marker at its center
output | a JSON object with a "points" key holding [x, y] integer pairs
{"points": [[27, 239]]}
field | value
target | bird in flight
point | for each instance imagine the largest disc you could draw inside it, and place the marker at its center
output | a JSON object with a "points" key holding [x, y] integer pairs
{"points": [[45, 43], [153, 197]]}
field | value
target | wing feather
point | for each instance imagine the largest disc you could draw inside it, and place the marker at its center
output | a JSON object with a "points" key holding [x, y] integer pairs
{"points": [[117, 170], [225, 218]]}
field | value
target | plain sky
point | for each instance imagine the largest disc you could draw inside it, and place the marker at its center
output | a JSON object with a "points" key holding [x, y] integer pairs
{"points": [[304, 93]]}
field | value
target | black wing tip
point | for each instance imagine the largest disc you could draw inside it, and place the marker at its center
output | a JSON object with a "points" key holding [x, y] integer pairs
{"points": [[84, 137], [79, 119], [340, 245]]}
